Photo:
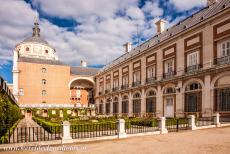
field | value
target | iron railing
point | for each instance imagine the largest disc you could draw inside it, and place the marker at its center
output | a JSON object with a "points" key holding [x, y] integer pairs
{"points": [[193, 68], [125, 86], [222, 60], [30, 134], [169, 75], [204, 121], [175, 125], [150, 80], [137, 83], [135, 127], [93, 130]]}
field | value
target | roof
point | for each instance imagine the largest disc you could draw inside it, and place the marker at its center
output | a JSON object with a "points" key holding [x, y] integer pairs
{"points": [[36, 40], [79, 70], [40, 61], [183, 25]]}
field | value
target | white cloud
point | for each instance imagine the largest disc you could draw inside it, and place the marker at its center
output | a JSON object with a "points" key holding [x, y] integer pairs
{"points": [[152, 9], [182, 5]]}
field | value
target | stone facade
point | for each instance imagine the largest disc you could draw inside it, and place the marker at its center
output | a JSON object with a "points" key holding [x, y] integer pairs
{"points": [[187, 73]]}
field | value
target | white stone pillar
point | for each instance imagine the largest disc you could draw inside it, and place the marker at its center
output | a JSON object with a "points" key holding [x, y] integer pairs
{"points": [[121, 128], [217, 119], [66, 138], [119, 104], [179, 100], [192, 124], [206, 100], [162, 127], [15, 74]]}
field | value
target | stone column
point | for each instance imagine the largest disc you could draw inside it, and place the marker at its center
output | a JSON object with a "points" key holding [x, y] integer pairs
{"points": [[159, 102], [66, 138], [111, 107], [217, 120], [119, 104], [206, 94], [192, 124], [162, 127], [121, 128], [179, 100], [130, 104], [143, 103]]}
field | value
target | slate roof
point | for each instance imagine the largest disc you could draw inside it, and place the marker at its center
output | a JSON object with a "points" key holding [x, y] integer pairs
{"points": [[79, 70], [35, 39], [183, 25], [40, 61]]}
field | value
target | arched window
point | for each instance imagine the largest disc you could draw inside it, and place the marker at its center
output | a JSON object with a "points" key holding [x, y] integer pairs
{"points": [[46, 51], [169, 90], [151, 93], [125, 97], [43, 92], [193, 86], [27, 49], [43, 81], [136, 95], [125, 104], [115, 105]]}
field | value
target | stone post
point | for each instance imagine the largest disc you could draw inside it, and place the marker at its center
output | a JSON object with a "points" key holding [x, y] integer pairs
{"points": [[217, 119], [66, 138], [121, 128], [192, 124], [162, 127]]}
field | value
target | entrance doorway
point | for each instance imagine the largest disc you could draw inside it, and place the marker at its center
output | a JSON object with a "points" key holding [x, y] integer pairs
{"points": [[28, 114], [169, 111]]}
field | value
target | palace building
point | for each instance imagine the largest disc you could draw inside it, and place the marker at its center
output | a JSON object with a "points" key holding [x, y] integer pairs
{"points": [[182, 70], [40, 80]]}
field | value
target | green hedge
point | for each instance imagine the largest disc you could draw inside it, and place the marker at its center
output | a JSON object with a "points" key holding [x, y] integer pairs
{"points": [[48, 126], [93, 127]]}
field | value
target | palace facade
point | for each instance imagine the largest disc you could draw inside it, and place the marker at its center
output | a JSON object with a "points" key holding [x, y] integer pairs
{"points": [[182, 70]]}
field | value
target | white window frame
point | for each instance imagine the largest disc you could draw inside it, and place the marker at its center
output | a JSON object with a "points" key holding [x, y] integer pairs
{"points": [[226, 51], [125, 80], [137, 76], [151, 71], [169, 69], [21, 91], [108, 85], [115, 83], [193, 58]]}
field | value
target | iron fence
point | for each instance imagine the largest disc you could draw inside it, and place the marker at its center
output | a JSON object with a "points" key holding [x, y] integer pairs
{"points": [[135, 127], [93, 130], [204, 121], [30, 134], [175, 125]]}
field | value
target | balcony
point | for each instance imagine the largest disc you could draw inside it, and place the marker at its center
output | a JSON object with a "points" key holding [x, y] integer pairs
{"points": [[107, 91], [222, 60], [137, 83], [169, 75], [150, 80], [115, 88], [126, 86], [193, 68]]}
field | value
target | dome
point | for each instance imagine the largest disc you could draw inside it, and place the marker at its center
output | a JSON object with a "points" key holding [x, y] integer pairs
{"points": [[36, 38]]}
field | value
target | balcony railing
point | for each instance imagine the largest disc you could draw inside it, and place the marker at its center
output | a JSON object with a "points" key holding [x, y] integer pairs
{"points": [[169, 75], [150, 80], [126, 86], [137, 83], [115, 88], [222, 60], [193, 68]]}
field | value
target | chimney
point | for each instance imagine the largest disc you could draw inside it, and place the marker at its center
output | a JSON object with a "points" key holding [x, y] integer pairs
{"points": [[83, 63], [210, 2], [160, 25], [127, 46]]}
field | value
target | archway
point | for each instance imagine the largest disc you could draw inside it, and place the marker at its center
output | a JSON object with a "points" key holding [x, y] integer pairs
{"points": [[81, 92], [151, 102], [125, 104], [28, 114], [169, 101], [115, 105], [137, 104]]}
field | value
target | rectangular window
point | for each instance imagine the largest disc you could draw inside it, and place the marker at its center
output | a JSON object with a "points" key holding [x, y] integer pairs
{"points": [[125, 80], [225, 48], [137, 76], [192, 59], [151, 72], [169, 66], [115, 83], [100, 88], [108, 85], [21, 91]]}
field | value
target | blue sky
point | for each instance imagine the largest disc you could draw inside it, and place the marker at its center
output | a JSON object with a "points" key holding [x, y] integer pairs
{"points": [[90, 30]]}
